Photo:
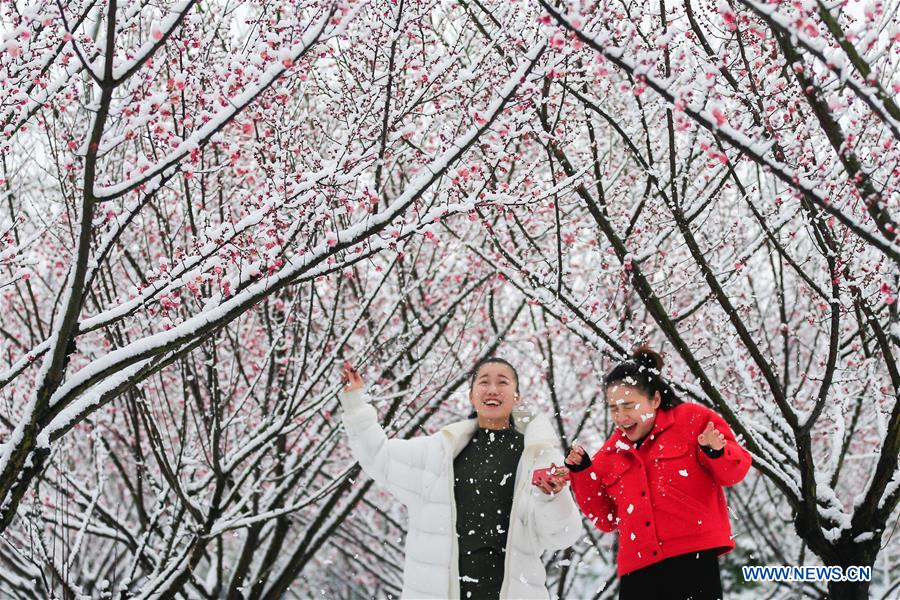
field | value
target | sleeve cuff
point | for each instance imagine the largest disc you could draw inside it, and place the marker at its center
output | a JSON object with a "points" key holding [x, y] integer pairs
{"points": [[352, 400], [551, 502], [584, 464], [713, 453]]}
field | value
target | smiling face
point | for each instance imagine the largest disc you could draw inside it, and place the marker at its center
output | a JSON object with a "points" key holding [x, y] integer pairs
{"points": [[494, 394], [632, 410]]}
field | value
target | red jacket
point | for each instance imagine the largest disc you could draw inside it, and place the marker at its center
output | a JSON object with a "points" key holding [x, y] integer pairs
{"points": [[665, 498]]}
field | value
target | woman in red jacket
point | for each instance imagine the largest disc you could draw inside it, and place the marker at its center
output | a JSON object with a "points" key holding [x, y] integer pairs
{"points": [[658, 480]]}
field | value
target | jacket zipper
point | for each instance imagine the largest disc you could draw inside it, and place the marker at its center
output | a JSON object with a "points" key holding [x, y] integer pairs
{"points": [[454, 540]]}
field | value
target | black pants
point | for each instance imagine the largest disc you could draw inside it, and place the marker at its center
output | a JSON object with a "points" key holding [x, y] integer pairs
{"points": [[693, 576]]}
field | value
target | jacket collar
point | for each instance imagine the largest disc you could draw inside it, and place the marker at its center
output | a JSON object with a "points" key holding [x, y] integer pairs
{"points": [[618, 442], [458, 434], [664, 420], [536, 428]]}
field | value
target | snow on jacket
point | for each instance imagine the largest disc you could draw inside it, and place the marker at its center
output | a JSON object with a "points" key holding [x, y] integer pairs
{"points": [[419, 473], [666, 497]]}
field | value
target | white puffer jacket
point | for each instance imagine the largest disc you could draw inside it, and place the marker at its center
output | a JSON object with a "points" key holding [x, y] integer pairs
{"points": [[419, 472]]}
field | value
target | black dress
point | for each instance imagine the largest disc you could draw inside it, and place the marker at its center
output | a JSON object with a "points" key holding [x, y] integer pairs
{"points": [[484, 483]]}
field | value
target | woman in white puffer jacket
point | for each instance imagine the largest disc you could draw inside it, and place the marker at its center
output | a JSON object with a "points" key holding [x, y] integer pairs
{"points": [[477, 524]]}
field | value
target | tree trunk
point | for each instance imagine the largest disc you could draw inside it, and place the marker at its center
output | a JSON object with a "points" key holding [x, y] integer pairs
{"points": [[848, 590], [853, 555]]}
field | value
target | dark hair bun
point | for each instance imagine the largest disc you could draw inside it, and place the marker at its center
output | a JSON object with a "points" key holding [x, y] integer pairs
{"points": [[647, 357]]}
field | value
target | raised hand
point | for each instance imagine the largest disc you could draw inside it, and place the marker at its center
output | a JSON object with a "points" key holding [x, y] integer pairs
{"points": [[711, 437], [576, 454], [350, 378]]}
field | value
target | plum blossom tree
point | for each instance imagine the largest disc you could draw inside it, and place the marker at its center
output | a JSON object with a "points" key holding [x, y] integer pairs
{"points": [[751, 198], [208, 206]]}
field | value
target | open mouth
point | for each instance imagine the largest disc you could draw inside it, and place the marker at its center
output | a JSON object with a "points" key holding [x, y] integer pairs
{"points": [[630, 428], [492, 402]]}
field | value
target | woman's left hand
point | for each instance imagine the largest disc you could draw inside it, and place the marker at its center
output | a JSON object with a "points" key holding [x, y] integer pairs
{"points": [[711, 437], [551, 485]]}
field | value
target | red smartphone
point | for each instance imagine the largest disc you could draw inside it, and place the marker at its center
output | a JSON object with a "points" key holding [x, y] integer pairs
{"points": [[541, 475]]}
